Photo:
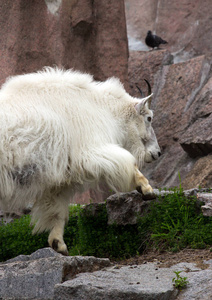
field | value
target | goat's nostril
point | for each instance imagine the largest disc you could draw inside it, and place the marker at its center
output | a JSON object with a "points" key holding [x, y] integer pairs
{"points": [[159, 154]]}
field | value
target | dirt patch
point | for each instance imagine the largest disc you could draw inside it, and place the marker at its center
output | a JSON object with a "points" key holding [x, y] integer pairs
{"points": [[168, 259]]}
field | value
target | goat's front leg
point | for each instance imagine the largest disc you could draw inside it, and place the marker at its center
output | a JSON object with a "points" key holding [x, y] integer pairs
{"points": [[143, 186]]}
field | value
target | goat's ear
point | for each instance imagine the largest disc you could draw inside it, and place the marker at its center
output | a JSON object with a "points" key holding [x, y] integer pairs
{"points": [[140, 105]]}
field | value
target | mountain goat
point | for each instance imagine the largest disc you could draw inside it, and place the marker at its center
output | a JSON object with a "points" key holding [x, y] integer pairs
{"points": [[61, 131]]}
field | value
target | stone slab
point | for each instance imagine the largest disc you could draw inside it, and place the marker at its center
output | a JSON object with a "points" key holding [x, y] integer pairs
{"points": [[34, 276], [128, 282], [207, 199]]}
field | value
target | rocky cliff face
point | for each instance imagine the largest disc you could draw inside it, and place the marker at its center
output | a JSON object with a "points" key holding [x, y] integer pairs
{"points": [[182, 107], [185, 24], [86, 35], [181, 77]]}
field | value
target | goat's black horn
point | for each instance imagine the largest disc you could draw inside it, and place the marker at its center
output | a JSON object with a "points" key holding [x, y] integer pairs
{"points": [[142, 94], [149, 92], [149, 87]]}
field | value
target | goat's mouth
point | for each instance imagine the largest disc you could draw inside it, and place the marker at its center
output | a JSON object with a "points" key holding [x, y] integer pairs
{"points": [[152, 157], [155, 156]]}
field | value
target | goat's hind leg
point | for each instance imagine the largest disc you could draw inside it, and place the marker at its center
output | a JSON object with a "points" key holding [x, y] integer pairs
{"points": [[55, 238], [50, 214]]}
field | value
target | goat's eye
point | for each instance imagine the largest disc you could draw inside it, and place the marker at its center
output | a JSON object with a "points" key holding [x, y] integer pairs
{"points": [[149, 119]]}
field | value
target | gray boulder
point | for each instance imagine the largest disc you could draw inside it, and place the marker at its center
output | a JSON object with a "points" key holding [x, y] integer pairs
{"points": [[125, 208], [199, 281], [207, 207], [34, 276], [128, 282], [46, 274], [146, 281]]}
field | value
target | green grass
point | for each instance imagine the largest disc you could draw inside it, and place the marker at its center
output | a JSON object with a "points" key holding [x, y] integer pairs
{"points": [[176, 222], [173, 223]]}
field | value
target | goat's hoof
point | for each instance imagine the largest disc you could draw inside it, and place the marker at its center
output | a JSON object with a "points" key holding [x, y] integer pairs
{"points": [[139, 189], [148, 195], [62, 249], [65, 253]]}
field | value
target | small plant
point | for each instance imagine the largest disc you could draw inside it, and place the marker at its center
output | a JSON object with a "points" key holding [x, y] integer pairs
{"points": [[179, 282]]}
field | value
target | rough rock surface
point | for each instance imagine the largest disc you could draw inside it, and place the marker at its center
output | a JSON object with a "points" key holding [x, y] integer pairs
{"points": [[196, 140], [184, 24], [144, 65], [89, 36], [34, 276], [200, 174], [200, 281], [207, 207], [182, 101], [127, 282], [182, 105], [124, 208], [46, 274]]}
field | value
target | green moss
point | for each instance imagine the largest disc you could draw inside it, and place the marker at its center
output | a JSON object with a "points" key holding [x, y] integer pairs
{"points": [[173, 223], [95, 237], [16, 238]]}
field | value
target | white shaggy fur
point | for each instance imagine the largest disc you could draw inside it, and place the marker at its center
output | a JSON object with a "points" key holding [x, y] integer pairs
{"points": [[61, 130]]}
